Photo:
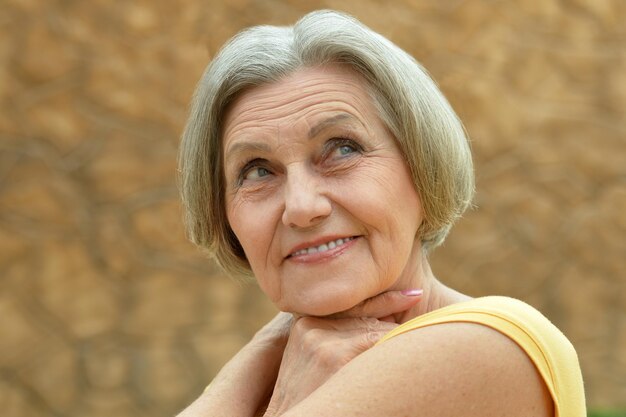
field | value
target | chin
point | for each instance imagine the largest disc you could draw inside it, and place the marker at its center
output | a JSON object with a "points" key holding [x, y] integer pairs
{"points": [[323, 305]]}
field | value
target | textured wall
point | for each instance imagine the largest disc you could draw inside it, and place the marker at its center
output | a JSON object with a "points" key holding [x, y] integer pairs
{"points": [[105, 309]]}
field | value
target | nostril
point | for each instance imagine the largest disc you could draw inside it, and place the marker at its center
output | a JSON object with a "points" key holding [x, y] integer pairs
{"points": [[306, 215], [306, 202]]}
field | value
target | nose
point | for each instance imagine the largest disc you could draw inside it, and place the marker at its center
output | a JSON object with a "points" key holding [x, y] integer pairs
{"points": [[305, 201]]}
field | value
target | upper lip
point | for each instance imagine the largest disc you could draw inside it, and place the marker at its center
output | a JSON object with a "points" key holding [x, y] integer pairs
{"points": [[316, 242]]}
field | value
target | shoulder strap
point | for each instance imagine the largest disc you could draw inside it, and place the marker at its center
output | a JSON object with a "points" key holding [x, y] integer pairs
{"points": [[551, 352]]}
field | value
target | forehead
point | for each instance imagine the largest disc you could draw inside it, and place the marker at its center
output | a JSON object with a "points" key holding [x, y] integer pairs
{"points": [[297, 102]]}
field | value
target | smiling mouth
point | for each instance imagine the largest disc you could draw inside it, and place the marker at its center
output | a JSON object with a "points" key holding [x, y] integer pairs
{"points": [[323, 247]]}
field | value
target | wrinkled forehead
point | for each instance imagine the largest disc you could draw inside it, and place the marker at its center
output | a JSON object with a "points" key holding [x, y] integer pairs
{"points": [[299, 102]]}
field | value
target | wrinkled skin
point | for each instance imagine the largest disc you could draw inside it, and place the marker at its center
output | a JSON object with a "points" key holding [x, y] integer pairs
{"points": [[318, 347]]}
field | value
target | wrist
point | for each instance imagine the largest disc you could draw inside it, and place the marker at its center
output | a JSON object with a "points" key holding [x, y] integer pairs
{"points": [[273, 335]]}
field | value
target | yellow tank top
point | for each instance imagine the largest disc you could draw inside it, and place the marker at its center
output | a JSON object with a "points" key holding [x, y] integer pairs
{"points": [[551, 352]]}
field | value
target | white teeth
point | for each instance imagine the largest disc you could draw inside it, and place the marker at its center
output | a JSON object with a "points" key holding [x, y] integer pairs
{"points": [[323, 247]]}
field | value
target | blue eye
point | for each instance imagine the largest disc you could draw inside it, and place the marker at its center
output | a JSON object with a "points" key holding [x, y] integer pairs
{"points": [[342, 147], [346, 149], [254, 170], [256, 173]]}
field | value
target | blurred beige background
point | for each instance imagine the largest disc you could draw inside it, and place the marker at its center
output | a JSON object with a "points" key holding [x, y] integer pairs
{"points": [[106, 309]]}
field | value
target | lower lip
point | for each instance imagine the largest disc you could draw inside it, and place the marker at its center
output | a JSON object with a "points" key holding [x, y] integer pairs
{"points": [[316, 257]]}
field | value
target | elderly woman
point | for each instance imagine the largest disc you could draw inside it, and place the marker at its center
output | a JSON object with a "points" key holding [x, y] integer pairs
{"points": [[322, 160]]}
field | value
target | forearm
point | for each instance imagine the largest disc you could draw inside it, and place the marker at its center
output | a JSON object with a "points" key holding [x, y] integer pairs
{"points": [[245, 383], [240, 388]]}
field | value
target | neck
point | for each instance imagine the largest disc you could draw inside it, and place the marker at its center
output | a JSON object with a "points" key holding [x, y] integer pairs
{"points": [[436, 295]]}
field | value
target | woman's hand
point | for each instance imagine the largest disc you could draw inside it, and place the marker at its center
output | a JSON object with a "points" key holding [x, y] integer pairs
{"points": [[319, 346], [275, 333], [245, 383]]}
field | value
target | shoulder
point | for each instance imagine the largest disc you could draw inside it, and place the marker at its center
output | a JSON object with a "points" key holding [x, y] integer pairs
{"points": [[548, 349], [464, 368], [452, 368], [511, 317]]}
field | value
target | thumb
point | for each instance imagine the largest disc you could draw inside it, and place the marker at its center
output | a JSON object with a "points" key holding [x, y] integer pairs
{"points": [[382, 305]]}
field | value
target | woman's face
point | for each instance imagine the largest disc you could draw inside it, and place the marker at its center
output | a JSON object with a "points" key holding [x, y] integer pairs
{"points": [[318, 193]]}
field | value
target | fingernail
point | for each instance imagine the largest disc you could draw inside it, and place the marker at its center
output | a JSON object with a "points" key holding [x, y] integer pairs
{"points": [[414, 292]]}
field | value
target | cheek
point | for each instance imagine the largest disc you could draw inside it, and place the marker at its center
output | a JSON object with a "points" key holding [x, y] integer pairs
{"points": [[389, 191], [235, 214], [255, 238], [391, 209], [253, 223], [409, 209], [248, 229]]}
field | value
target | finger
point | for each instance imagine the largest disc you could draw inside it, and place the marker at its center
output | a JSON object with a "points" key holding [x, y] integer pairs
{"points": [[338, 327], [361, 325], [389, 319], [367, 340], [382, 305], [374, 337]]}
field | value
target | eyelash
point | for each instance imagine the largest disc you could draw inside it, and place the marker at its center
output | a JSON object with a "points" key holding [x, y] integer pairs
{"points": [[330, 146], [248, 166], [336, 143]]}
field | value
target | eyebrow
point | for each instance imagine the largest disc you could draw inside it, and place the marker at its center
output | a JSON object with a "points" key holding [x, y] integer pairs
{"points": [[244, 147], [317, 128]]}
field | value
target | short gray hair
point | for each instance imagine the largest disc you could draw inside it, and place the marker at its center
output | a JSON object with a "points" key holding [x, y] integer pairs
{"points": [[422, 121]]}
